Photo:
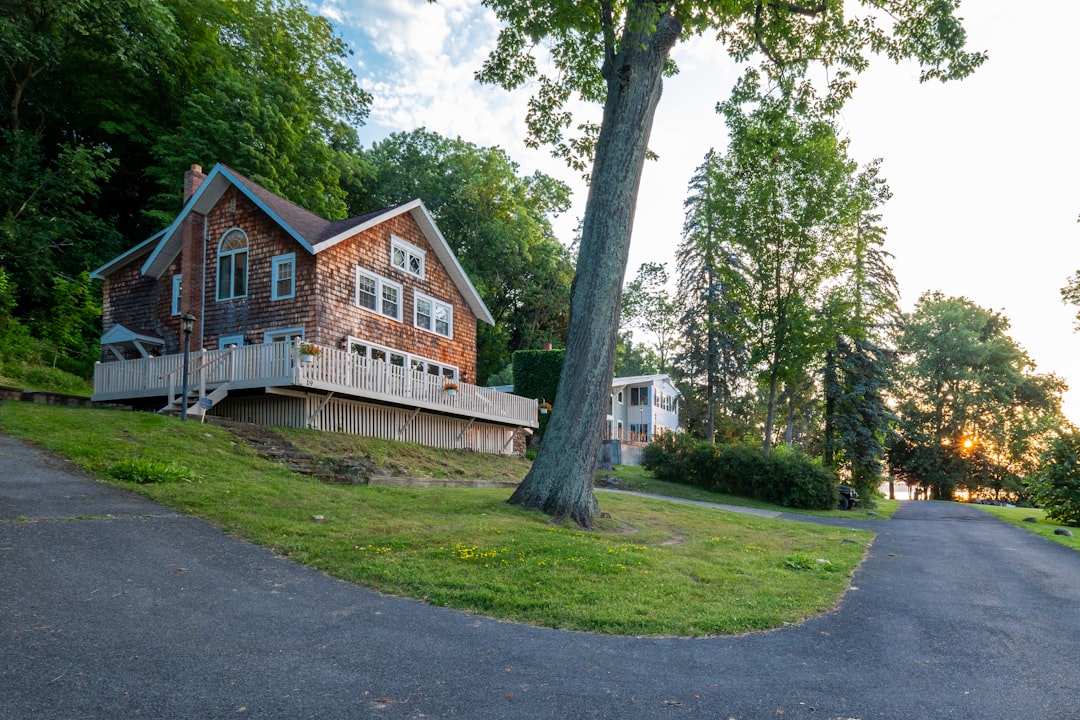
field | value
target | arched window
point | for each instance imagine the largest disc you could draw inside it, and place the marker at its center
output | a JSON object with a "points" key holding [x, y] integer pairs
{"points": [[232, 265]]}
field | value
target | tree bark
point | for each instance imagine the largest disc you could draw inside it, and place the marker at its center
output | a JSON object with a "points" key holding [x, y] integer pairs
{"points": [[560, 482]]}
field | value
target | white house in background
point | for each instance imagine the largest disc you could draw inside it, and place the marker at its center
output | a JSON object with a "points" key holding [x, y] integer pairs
{"points": [[641, 407]]}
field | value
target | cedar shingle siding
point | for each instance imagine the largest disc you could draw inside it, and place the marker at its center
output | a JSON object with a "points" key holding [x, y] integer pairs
{"points": [[325, 283]]}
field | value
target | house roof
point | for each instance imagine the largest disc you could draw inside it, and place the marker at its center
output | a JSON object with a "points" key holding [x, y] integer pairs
{"points": [[120, 335], [664, 379], [310, 231], [133, 254]]}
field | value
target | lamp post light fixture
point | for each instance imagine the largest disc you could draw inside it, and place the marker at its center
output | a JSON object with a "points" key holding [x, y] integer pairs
{"points": [[187, 322]]}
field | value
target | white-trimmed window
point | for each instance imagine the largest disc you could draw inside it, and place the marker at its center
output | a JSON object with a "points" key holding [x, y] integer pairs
{"points": [[285, 335], [399, 358], [378, 294], [434, 315], [228, 341], [377, 352], [232, 265], [176, 287], [283, 277], [406, 257]]}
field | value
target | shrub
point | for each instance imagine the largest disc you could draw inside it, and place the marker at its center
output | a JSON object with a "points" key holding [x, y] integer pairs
{"points": [[146, 472], [1056, 485], [667, 457], [742, 470], [800, 482], [787, 477]]}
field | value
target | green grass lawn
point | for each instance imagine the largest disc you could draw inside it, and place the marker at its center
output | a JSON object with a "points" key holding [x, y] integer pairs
{"points": [[651, 568]]}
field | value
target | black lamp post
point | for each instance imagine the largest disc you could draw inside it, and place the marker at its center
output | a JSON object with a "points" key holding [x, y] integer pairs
{"points": [[187, 321]]}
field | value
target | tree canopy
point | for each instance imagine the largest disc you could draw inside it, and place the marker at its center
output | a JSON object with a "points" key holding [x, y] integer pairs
{"points": [[782, 275], [617, 54], [105, 104], [972, 411]]}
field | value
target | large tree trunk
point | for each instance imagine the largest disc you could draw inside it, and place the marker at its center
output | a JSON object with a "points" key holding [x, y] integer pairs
{"points": [[561, 480]]}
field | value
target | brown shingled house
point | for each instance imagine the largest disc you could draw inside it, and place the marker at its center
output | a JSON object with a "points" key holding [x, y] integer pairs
{"points": [[381, 296]]}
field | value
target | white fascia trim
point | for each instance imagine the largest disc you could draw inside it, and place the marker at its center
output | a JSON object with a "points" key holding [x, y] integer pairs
{"points": [[121, 260], [211, 184], [366, 225], [149, 267], [438, 243], [266, 209]]}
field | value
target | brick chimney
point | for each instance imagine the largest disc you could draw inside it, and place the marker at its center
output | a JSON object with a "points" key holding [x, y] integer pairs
{"points": [[193, 257], [192, 180]]}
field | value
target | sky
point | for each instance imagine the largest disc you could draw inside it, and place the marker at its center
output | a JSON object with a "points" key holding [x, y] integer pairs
{"points": [[985, 172]]}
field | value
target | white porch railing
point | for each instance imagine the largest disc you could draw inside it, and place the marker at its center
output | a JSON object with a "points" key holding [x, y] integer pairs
{"points": [[333, 370]]}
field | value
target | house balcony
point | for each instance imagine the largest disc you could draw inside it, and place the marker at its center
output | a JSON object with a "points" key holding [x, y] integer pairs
{"points": [[279, 368]]}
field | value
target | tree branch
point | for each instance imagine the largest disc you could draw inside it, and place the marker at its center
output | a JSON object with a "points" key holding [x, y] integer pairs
{"points": [[759, 11]]}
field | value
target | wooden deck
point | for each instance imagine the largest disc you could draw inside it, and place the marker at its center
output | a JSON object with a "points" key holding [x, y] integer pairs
{"points": [[278, 367]]}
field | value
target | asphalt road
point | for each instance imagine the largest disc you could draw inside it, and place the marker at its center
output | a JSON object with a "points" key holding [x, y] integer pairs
{"points": [[114, 607]]}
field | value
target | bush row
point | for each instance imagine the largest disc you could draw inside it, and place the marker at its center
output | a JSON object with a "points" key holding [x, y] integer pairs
{"points": [[786, 477]]}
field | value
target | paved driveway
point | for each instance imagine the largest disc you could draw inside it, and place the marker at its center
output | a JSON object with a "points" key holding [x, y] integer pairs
{"points": [[112, 606]]}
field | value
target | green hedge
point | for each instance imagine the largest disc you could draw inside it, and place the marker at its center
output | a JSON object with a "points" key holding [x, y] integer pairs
{"points": [[536, 373], [787, 477]]}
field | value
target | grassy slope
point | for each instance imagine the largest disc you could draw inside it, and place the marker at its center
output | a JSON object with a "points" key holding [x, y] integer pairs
{"points": [[652, 568]]}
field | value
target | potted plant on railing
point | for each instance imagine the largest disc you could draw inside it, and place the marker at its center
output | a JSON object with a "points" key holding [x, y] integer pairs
{"points": [[450, 388], [544, 407], [308, 352]]}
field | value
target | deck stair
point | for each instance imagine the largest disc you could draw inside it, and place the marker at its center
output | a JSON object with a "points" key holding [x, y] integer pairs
{"points": [[199, 401]]}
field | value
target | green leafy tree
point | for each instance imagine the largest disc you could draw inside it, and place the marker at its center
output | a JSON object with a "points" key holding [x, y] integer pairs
{"points": [[635, 358], [617, 54], [498, 223], [783, 204], [1056, 486], [47, 45], [714, 362], [97, 98], [263, 86], [856, 381], [648, 306], [863, 312], [80, 78], [970, 405], [74, 323], [14, 338], [48, 223]]}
